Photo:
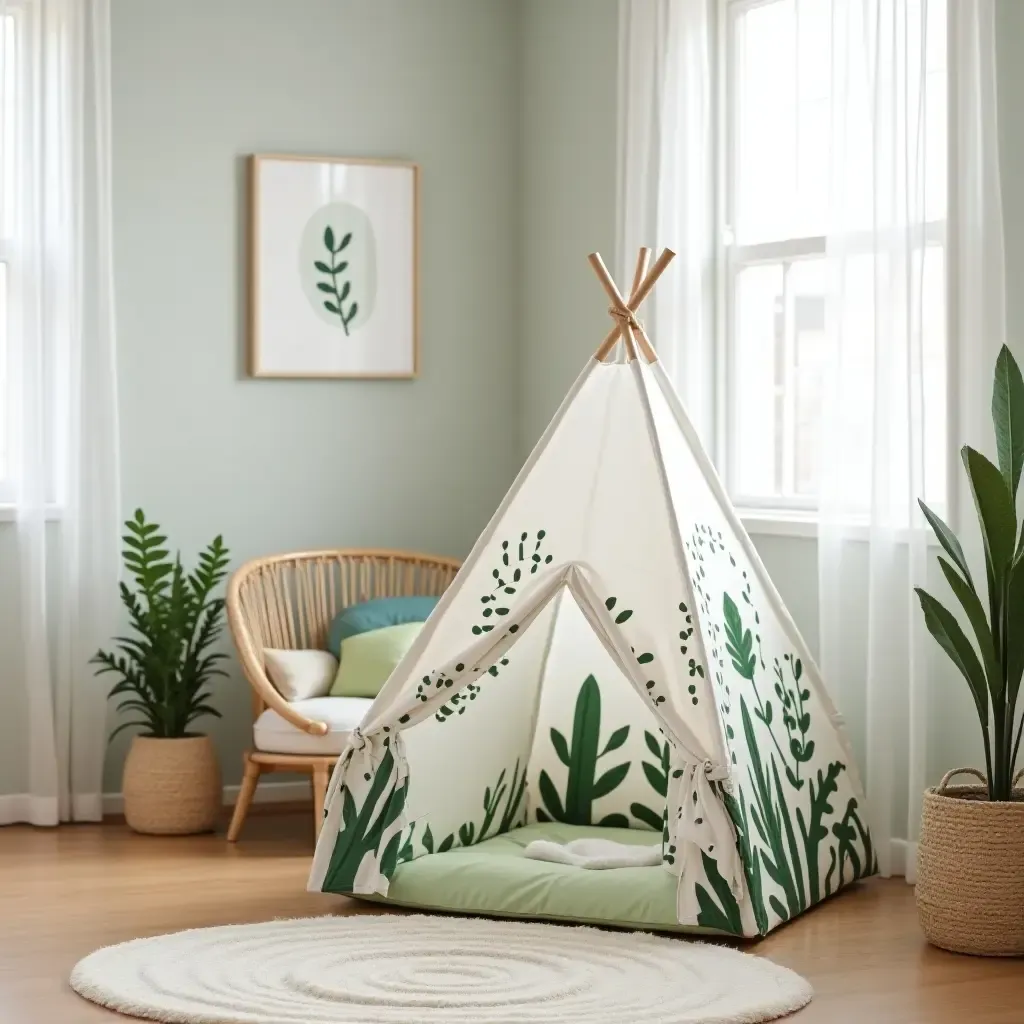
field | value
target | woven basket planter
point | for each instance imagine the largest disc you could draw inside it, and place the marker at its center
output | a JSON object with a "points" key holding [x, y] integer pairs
{"points": [[970, 870], [172, 786]]}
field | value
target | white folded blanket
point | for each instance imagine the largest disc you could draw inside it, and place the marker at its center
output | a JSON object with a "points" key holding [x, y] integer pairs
{"points": [[595, 853]]}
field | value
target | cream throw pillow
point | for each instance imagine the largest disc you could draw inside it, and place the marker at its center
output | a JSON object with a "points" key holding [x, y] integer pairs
{"points": [[298, 675]]}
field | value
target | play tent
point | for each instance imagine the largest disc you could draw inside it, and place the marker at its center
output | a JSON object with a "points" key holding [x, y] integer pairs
{"points": [[611, 660]]}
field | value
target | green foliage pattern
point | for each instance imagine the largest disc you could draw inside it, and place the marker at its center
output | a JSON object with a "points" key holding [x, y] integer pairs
{"points": [[504, 796], [364, 827], [580, 757]]}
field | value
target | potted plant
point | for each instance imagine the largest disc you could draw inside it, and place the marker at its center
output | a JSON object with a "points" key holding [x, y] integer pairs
{"points": [[970, 888], [171, 775]]}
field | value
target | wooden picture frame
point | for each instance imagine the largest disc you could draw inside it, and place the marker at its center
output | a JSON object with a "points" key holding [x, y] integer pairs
{"points": [[333, 254]]}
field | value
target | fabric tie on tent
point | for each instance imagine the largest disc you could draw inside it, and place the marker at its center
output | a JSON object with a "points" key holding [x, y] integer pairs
{"points": [[701, 826]]}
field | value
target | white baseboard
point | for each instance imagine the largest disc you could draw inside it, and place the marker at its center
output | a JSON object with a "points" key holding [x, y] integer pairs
{"points": [[23, 808], [266, 793], [903, 854]]}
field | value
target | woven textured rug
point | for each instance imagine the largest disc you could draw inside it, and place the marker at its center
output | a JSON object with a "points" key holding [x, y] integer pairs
{"points": [[393, 969]]}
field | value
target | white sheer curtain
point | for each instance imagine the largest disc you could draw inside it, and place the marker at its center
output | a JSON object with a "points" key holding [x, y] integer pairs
{"points": [[886, 393], [666, 182], [62, 395]]}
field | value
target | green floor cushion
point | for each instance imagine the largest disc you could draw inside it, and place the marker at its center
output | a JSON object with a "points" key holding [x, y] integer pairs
{"points": [[494, 878]]}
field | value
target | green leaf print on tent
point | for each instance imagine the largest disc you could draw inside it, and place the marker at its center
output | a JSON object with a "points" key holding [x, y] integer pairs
{"points": [[583, 786], [725, 914], [519, 561], [337, 266], [784, 858], [751, 864], [657, 775], [511, 815], [849, 832], [813, 833], [770, 814], [363, 827], [739, 644]]}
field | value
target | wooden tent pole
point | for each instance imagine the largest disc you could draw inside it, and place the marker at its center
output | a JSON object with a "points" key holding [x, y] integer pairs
{"points": [[642, 259], [618, 308], [648, 283], [666, 257], [594, 259], [640, 336], [638, 278], [641, 289]]}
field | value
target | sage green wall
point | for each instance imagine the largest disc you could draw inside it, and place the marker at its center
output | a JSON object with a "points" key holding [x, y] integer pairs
{"points": [[284, 465], [569, 83]]}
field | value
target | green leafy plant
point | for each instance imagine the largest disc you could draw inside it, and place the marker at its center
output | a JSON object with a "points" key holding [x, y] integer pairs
{"points": [[583, 786], [994, 663], [166, 666], [339, 291]]}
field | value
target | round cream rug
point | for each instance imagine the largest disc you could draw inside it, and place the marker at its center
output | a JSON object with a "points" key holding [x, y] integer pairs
{"points": [[393, 969]]}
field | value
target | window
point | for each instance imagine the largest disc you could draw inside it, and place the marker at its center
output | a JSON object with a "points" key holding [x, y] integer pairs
{"points": [[8, 234], [776, 88]]}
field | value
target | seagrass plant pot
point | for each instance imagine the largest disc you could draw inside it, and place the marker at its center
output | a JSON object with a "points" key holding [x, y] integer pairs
{"points": [[970, 869], [172, 786]]}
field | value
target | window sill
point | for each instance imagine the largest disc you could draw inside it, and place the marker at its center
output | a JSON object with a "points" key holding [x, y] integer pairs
{"points": [[779, 522], [791, 523], [8, 513]]}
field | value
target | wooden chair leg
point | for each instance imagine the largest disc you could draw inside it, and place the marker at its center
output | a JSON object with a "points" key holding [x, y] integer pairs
{"points": [[245, 794], [320, 778]]}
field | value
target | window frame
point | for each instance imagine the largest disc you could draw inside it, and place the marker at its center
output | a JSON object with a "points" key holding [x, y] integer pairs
{"points": [[790, 515]]}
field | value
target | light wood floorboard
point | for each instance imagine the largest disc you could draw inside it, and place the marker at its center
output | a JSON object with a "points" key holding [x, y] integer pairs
{"points": [[65, 893]]}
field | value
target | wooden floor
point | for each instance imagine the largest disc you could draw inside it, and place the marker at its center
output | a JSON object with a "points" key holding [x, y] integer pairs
{"points": [[64, 893]]}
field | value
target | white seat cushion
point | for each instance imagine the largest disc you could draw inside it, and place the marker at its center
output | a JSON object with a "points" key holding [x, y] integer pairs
{"points": [[274, 735]]}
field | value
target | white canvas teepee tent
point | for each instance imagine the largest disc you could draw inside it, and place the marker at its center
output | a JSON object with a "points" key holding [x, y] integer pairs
{"points": [[612, 653]]}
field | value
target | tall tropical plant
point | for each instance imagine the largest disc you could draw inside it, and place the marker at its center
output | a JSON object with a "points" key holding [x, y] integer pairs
{"points": [[166, 666], [993, 664]]}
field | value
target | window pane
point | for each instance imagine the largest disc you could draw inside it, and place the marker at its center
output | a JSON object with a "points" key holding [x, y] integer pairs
{"points": [[782, 110], [780, 355], [786, 192], [8, 123], [757, 315]]}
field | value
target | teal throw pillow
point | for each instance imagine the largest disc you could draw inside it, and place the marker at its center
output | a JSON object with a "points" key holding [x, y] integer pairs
{"points": [[367, 659], [376, 614]]}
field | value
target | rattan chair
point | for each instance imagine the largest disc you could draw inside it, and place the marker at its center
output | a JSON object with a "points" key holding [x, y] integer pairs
{"points": [[288, 602]]}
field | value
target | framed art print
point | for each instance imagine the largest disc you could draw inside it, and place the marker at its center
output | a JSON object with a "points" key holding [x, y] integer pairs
{"points": [[333, 250]]}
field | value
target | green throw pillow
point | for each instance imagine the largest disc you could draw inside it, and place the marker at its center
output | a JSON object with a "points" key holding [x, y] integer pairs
{"points": [[376, 614], [369, 658]]}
